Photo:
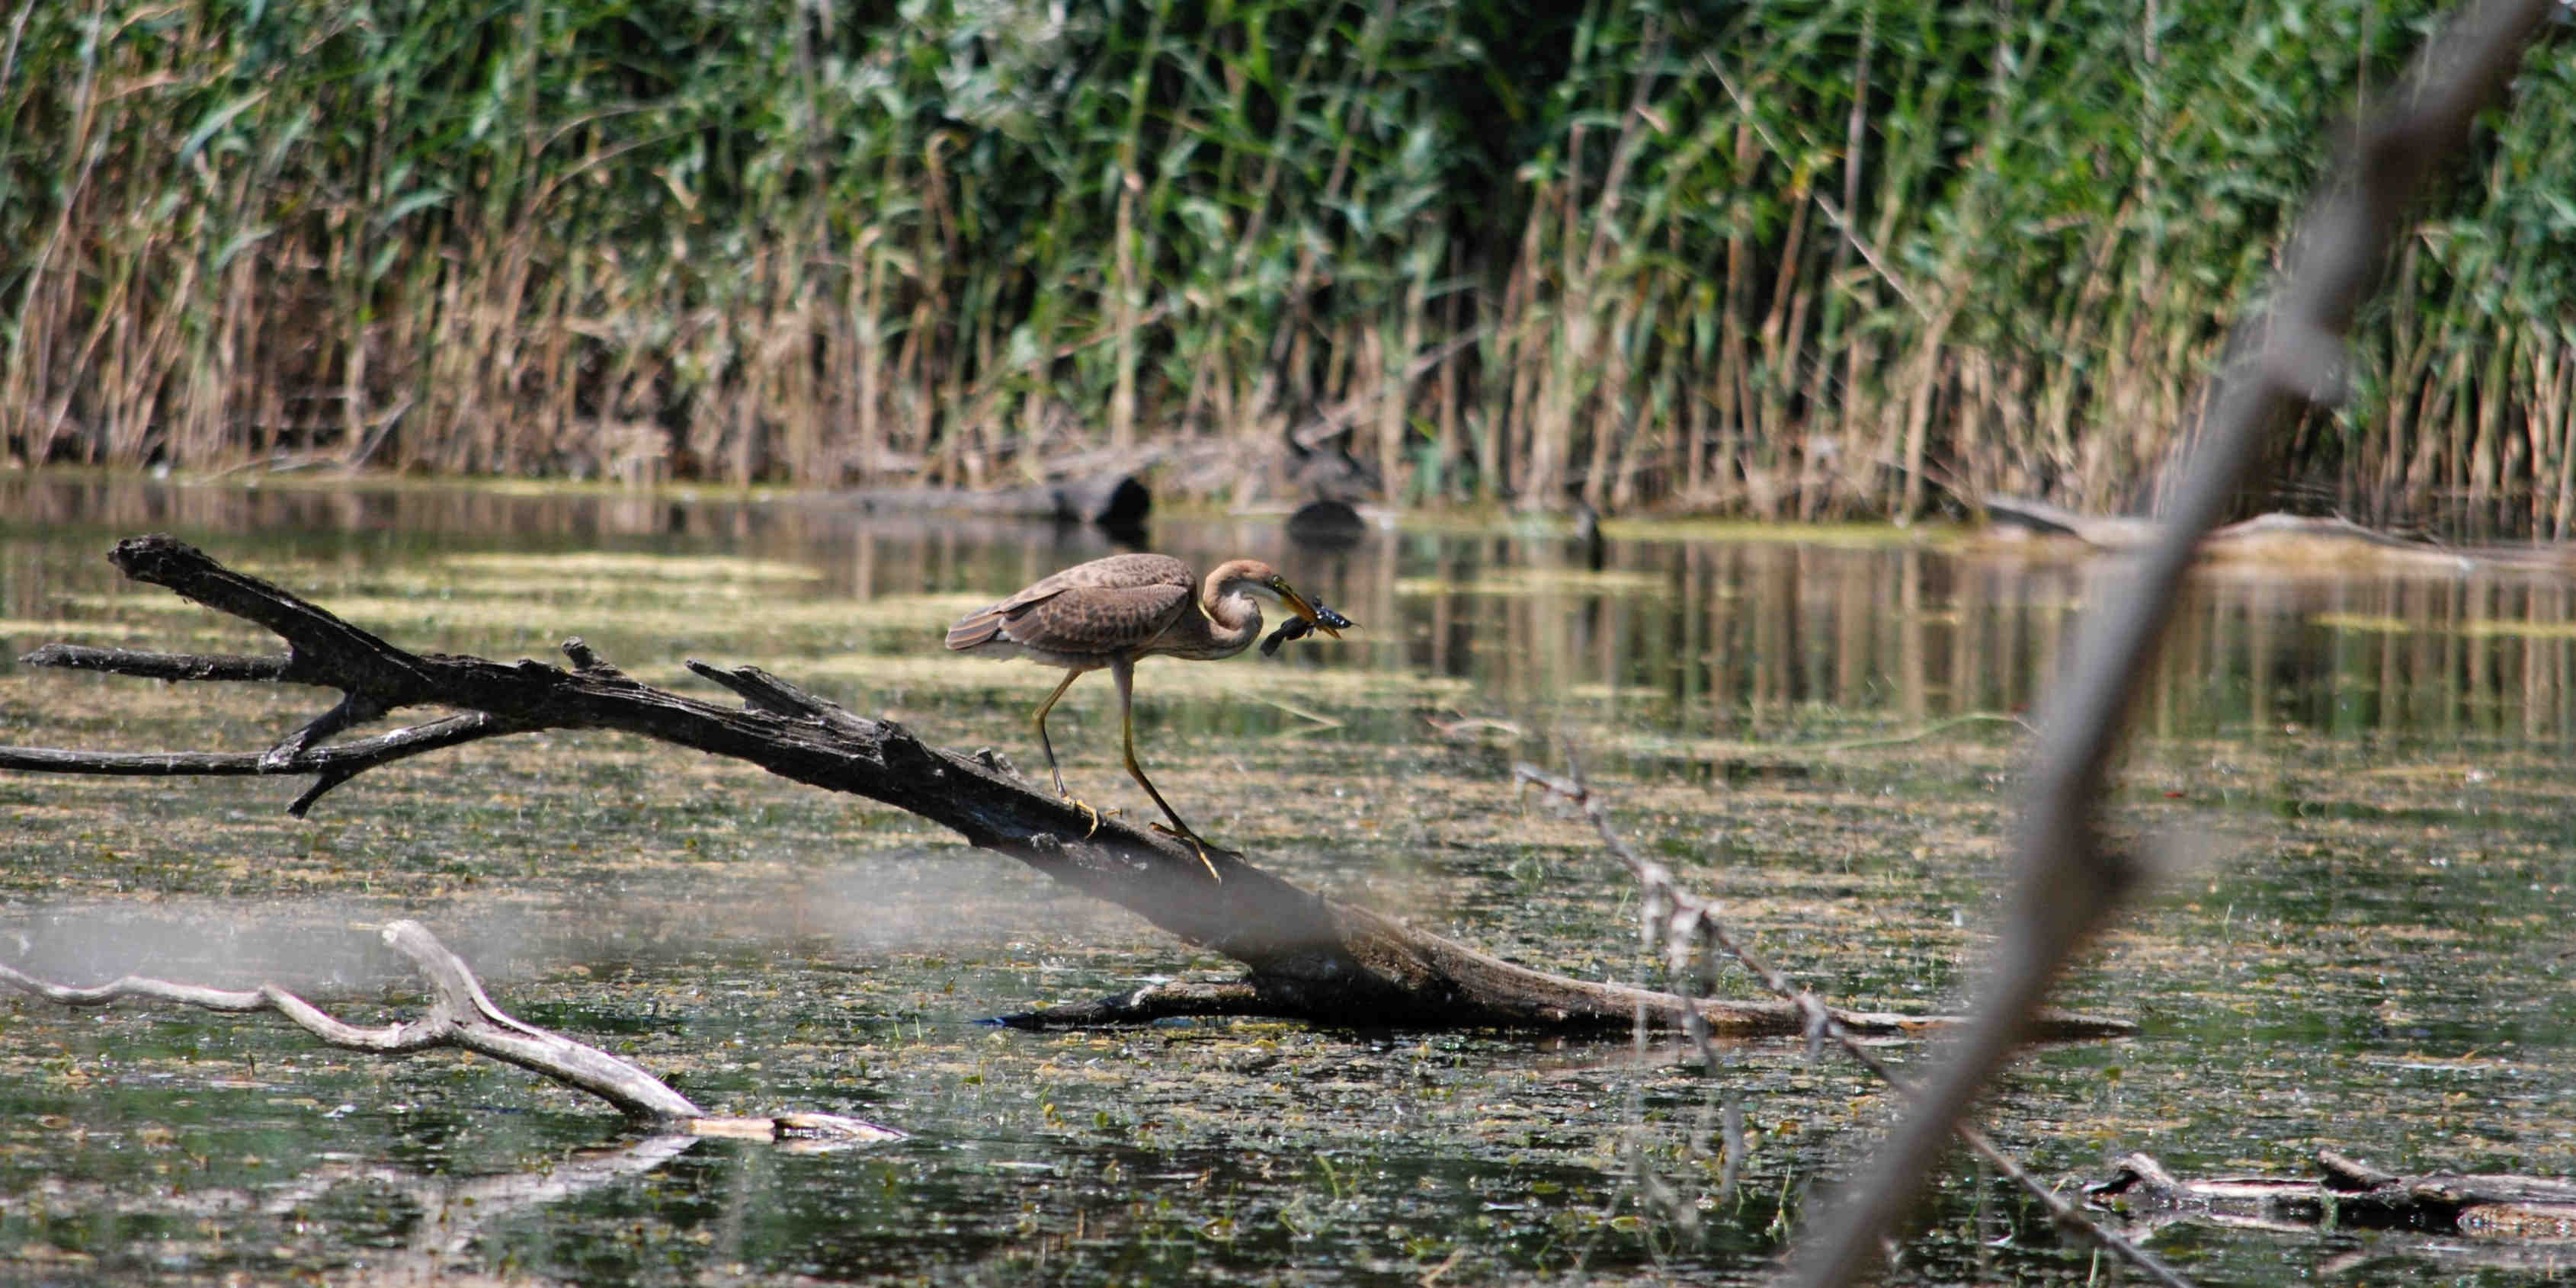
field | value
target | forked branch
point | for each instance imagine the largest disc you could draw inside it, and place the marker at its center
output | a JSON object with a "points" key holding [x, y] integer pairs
{"points": [[462, 1015]]}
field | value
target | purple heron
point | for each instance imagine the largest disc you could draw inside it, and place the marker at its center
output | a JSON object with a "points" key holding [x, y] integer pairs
{"points": [[1109, 612]]}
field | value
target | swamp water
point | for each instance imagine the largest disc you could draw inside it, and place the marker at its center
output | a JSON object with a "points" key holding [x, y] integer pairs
{"points": [[1813, 725]]}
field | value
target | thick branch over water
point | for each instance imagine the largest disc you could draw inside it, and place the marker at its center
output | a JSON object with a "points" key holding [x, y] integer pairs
{"points": [[1308, 957]]}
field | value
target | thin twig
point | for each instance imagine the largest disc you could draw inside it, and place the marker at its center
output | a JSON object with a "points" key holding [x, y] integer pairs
{"points": [[1684, 921]]}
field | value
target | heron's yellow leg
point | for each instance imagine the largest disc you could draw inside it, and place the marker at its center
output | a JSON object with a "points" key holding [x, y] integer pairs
{"points": [[1124, 672], [1048, 746]]}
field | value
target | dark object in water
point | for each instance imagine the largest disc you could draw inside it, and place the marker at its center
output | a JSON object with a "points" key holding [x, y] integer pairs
{"points": [[1298, 628], [1328, 525], [1116, 502]]}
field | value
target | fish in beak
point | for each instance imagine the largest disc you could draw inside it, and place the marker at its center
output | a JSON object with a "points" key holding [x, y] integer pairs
{"points": [[1322, 618], [1310, 617]]}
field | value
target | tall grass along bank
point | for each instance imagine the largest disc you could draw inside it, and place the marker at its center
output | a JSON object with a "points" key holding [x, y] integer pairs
{"points": [[1773, 258]]}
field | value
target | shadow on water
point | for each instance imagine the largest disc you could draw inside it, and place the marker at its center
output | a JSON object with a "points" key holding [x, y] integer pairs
{"points": [[1817, 726]]}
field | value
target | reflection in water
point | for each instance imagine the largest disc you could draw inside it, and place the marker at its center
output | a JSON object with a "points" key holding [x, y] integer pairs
{"points": [[1713, 636]]}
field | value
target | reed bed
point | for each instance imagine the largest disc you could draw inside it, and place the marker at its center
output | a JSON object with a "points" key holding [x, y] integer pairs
{"points": [[1786, 258]]}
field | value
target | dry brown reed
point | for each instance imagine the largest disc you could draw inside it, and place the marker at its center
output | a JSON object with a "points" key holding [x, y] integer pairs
{"points": [[1791, 262]]}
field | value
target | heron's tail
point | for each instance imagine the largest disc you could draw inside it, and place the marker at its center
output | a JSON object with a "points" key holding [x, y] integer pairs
{"points": [[976, 628]]}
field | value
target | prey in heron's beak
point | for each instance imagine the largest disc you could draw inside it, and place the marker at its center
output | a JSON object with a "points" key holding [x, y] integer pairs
{"points": [[1309, 617], [1323, 619]]}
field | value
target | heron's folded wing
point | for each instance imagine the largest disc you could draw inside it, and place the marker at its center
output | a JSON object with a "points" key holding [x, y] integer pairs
{"points": [[1095, 619]]}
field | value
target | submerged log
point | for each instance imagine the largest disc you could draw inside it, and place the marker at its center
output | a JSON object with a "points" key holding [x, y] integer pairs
{"points": [[1307, 956], [2348, 1195], [2283, 542], [1115, 501]]}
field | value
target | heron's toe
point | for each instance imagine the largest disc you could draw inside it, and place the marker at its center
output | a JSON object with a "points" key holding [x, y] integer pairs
{"points": [[1202, 846], [1095, 815]]}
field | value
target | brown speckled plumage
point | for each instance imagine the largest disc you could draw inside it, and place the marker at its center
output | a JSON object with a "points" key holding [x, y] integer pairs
{"points": [[1135, 605], [1105, 614]]}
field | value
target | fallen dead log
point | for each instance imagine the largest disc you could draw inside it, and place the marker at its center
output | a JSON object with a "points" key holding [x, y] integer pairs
{"points": [[462, 1016], [2280, 542], [1306, 956], [2347, 1195], [2126, 532]]}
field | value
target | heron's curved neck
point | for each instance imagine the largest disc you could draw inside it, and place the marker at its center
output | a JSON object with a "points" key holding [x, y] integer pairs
{"points": [[1233, 614]]}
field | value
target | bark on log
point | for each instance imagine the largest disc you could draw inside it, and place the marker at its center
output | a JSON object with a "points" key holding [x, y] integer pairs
{"points": [[1308, 957], [2349, 1195]]}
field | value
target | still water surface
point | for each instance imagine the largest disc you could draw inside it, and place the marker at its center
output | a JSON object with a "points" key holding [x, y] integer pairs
{"points": [[2368, 955]]}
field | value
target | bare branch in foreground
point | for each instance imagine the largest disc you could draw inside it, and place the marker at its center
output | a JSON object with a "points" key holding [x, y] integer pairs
{"points": [[1308, 957], [2288, 356], [462, 1015], [1682, 927]]}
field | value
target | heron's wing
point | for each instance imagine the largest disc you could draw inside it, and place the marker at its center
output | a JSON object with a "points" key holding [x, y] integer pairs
{"points": [[1094, 619], [1102, 606]]}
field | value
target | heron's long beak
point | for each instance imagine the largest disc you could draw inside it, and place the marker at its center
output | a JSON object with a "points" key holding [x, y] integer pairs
{"points": [[1297, 604]]}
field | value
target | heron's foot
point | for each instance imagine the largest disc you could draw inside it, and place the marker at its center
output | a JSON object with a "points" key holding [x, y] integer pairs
{"points": [[1095, 815], [1202, 846]]}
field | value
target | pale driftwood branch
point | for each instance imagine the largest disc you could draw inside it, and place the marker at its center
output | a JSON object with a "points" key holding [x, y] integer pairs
{"points": [[2288, 356], [1308, 957], [463, 1016], [1681, 927]]}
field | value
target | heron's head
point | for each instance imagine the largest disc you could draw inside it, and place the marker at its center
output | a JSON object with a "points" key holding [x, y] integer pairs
{"points": [[1253, 579]]}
